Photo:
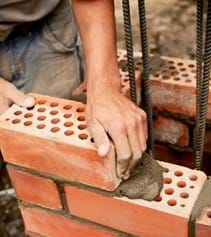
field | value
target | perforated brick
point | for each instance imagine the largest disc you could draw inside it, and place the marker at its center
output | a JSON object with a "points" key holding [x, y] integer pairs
{"points": [[53, 137], [166, 216], [173, 86], [203, 223]]}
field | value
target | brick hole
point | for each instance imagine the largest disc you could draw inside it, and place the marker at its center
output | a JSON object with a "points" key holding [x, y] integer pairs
{"points": [[41, 126], [164, 71], [18, 112], [28, 115], [174, 73], [169, 191], [68, 133], [167, 180], [139, 63], [122, 86], [30, 108], [41, 109], [82, 126], [165, 77], [54, 104], [15, 121], [92, 140], [172, 68], [55, 120], [41, 118], [178, 173], [84, 90], [176, 78], [193, 71], [158, 199], [7, 119], [80, 110], [68, 124], [171, 62], [191, 65], [180, 64], [181, 184], [193, 177], [165, 169], [41, 102], [55, 129], [125, 79], [66, 107], [188, 80], [81, 118], [83, 136], [185, 75], [156, 75], [68, 115], [183, 69], [182, 205], [209, 214], [54, 112], [184, 195], [172, 202], [27, 123], [192, 187]]}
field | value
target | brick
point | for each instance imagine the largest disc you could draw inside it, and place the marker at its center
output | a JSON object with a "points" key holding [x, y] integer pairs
{"points": [[168, 130], [173, 87], [178, 157], [53, 225], [181, 189], [53, 138], [207, 141], [203, 223], [35, 190]]}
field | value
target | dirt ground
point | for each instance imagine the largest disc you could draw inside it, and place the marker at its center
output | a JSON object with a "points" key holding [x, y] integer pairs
{"points": [[171, 31]]}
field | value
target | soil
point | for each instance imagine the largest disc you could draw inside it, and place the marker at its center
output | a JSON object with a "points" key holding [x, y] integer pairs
{"points": [[171, 31]]}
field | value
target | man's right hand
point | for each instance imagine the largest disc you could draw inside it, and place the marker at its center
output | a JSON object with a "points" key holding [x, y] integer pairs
{"points": [[10, 94]]}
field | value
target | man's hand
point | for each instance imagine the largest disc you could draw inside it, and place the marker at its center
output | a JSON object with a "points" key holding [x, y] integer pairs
{"points": [[9, 94], [108, 111]]}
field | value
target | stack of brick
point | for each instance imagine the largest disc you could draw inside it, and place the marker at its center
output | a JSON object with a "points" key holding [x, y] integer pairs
{"points": [[65, 189], [173, 87]]}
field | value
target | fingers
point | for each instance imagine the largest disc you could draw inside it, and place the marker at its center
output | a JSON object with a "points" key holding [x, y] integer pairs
{"points": [[137, 135], [10, 92], [118, 133], [100, 137]]}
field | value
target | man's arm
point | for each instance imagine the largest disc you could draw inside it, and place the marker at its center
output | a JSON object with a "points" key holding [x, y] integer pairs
{"points": [[108, 111]]}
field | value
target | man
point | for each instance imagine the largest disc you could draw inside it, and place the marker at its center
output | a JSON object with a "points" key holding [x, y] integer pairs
{"points": [[39, 53]]}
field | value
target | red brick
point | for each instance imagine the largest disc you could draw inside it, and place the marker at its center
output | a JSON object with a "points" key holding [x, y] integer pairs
{"points": [[54, 225], [168, 130], [173, 87], [58, 145], [203, 223], [30, 234], [167, 154], [207, 141], [140, 217], [34, 189]]}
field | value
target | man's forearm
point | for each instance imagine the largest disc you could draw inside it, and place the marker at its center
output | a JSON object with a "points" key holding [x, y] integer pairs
{"points": [[96, 24]]}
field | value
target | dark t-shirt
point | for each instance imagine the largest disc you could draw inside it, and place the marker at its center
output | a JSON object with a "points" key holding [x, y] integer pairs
{"points": [[16, 12]]}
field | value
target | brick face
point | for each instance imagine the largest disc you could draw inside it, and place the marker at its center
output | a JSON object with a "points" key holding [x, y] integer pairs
{"points": [[58, 145], [124, 216], [203, 223], [54, 225], [34, 189], [168, 130]]}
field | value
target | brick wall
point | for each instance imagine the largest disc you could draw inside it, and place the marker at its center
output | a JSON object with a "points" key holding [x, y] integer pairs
{"points": [[65, 189]]}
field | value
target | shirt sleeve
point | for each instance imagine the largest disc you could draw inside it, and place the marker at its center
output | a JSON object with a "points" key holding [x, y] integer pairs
{"points": [[14, 12]]}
